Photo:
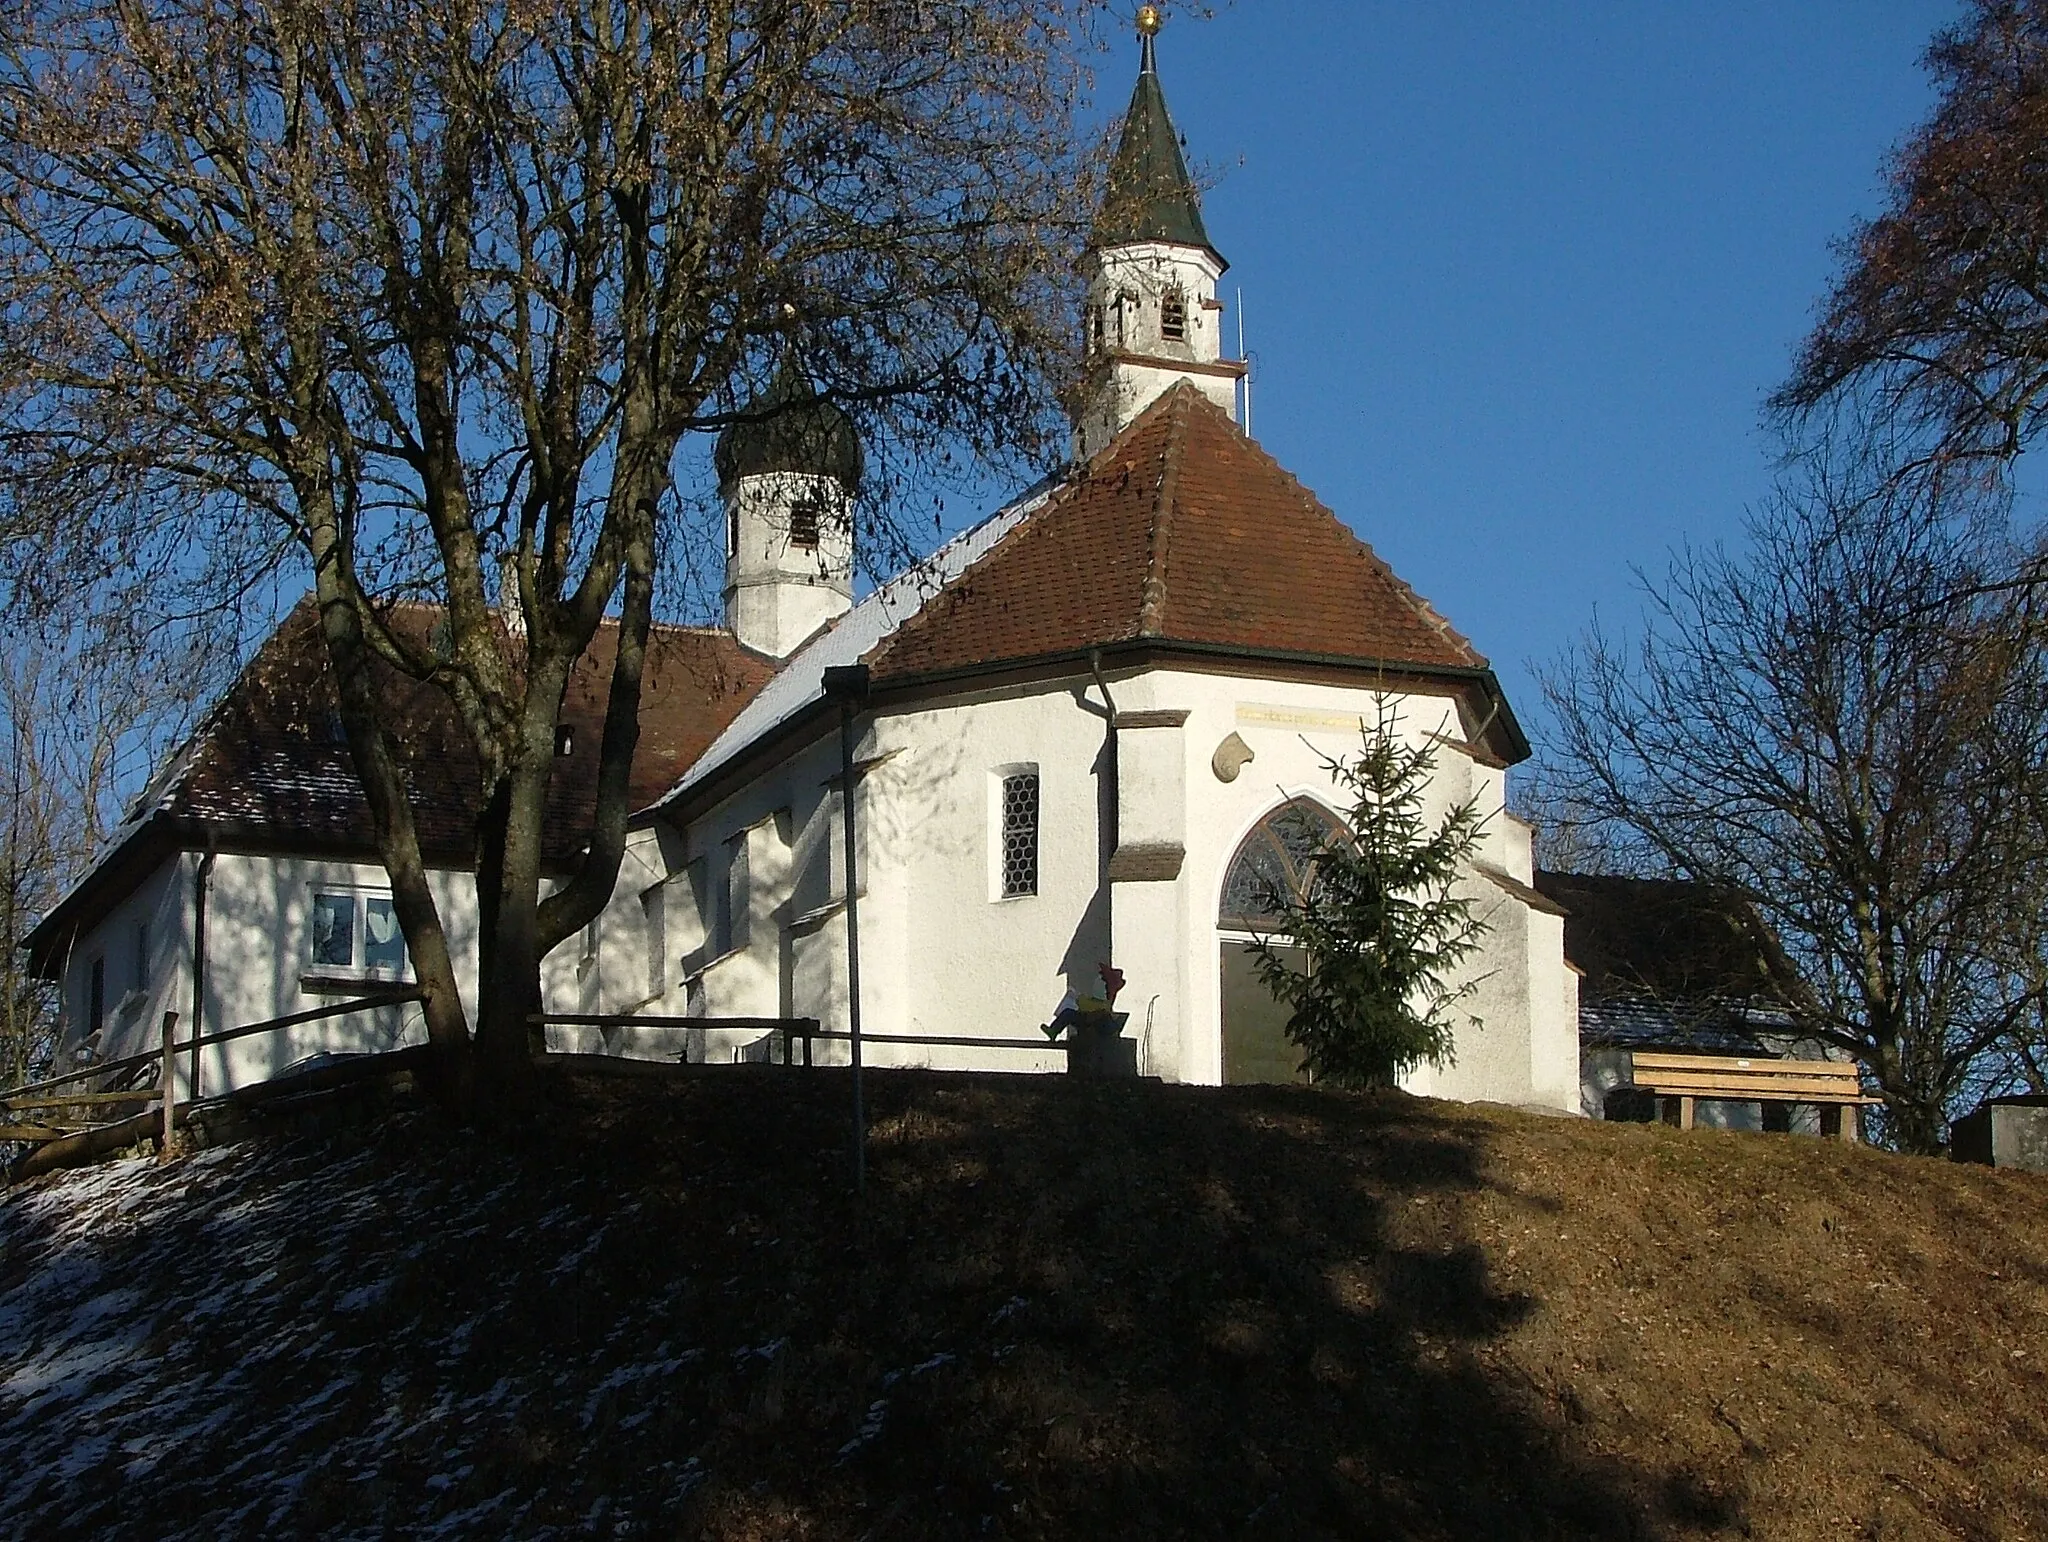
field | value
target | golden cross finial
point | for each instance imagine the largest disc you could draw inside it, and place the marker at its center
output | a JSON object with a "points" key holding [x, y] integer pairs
{"points": [[1149, 20]]}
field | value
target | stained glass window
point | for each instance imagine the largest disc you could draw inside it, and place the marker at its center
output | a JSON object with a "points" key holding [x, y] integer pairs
{"points": [[1020, 834], [1275, 863]]}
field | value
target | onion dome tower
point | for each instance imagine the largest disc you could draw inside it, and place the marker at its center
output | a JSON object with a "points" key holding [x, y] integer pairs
{"points": [[1152, 316], [788, 472]]}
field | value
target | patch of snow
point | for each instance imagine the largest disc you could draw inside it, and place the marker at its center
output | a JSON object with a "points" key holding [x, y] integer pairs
{"points": [[870, 1428]]}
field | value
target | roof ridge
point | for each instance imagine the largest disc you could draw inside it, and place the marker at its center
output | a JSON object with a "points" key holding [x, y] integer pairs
{"points": [[1428, 613], [1152, 595]]}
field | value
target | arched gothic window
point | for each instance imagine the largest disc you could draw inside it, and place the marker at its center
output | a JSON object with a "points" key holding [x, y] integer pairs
{"points": [[1275, 859]]}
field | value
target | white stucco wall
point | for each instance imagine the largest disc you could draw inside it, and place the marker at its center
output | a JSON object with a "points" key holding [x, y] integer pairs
{"points": [[1134, 363], [259, 966], [943, 953]]}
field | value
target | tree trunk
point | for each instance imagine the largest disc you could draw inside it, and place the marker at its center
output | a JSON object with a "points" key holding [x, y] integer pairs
{"points": [[508, 997], [451, 1077], [508, 888], [1917, 1125]]}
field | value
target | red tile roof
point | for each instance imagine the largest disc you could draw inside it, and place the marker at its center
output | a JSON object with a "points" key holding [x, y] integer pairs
{"points": [[1181, 530], [270, 759]]}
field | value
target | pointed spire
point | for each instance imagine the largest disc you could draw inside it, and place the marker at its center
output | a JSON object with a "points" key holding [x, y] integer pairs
{"points": [[1150, 196]]}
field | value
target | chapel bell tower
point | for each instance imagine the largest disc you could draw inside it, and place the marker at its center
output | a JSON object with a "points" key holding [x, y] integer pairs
{"points": [[789, 477], [1152, 317]]}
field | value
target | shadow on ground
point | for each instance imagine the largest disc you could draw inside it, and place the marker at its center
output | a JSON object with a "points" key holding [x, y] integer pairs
{"points": [[1063, 1311]]}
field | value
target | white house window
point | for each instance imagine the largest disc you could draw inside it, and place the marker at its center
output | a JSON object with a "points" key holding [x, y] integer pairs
{"points": [[1173, 316], [1095, 329], [357, 933], [1020, 834]]}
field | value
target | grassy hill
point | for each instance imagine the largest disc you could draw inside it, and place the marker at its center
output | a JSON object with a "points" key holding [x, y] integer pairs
{"points": [[1063, 1311]]}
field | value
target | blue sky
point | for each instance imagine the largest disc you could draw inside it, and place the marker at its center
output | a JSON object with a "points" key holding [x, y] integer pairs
{"points": [[1517, 278]]}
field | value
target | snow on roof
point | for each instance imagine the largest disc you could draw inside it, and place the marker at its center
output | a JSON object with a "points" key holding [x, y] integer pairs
{"points": [[801, 681]]}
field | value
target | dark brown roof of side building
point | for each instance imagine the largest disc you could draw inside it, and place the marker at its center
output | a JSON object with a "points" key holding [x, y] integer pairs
{"points": [[1673, 938], [1181, 531], [269, 770], [271, 758]]}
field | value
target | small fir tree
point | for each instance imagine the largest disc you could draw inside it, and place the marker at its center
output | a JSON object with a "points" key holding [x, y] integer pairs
{"points": [[1378, 923]]}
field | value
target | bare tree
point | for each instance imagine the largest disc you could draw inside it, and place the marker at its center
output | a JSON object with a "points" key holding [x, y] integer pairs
{"points": [[426, 293], [86, 705], [1846, 727], [1939, 320]]}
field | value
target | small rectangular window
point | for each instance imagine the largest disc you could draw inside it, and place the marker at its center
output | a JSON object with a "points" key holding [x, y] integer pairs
{"points": [[734, 901], [96, 997], [142, 955], [1173, 316], [357, 933], [1020, 834]]}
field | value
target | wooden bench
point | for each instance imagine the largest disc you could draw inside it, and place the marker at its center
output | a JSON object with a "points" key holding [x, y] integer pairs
{"points": [[1688, 1078]]}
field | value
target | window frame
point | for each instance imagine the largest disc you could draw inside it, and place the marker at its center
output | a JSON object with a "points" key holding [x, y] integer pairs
{"points": [[359, 967], [654, 919], [1001, 829], [735, 897]]}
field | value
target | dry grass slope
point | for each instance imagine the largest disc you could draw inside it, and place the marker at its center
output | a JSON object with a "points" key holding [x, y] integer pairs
{"points": [[1065, 1311]]}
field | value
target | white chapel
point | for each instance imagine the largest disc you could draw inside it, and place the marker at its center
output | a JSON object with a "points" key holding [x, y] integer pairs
{"points": [[1094, 728]]}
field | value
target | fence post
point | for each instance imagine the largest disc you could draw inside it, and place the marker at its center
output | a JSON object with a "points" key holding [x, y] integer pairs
{"points": [[168, 1085]]}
